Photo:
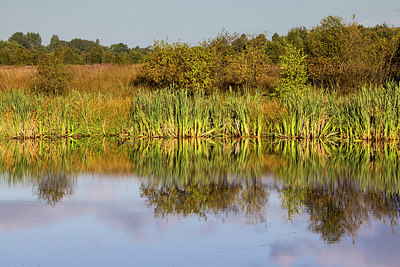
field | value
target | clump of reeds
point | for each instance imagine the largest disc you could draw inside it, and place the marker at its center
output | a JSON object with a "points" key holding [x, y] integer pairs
{"points": [[26, 116], [306, 115], [373, 113], [177, 113]]}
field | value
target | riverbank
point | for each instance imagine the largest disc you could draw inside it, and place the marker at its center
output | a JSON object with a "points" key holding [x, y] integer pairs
{"points": [[373, 113]]}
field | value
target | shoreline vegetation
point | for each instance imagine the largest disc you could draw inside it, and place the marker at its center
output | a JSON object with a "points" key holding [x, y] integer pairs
{"points": [[371, 114], [337, 80]]}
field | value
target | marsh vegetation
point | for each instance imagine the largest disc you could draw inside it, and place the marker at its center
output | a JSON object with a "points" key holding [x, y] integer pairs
{"points": [[337, 80]]}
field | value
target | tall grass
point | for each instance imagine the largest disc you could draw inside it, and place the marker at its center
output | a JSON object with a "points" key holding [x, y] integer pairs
{"points": [[176, 113], [106, 79], [104, 101], [26, 116], [373, 113]]}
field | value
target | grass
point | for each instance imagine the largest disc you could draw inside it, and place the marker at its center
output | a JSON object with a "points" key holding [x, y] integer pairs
{"points": [[27, 116], [176, 114], [103, 100], [106, 79]]}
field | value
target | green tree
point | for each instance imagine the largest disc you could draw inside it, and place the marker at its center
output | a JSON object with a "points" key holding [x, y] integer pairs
{"points": [[108, 56], [121, 58], [54, 43], [119, 48], [29, 41], [70, 56], [274, 48], [83, 46], [20, 39], [95, 56], [34, 40]]}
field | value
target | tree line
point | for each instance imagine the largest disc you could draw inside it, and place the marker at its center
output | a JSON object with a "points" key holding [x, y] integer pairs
{"points": [[336, 54], [26, 49]]}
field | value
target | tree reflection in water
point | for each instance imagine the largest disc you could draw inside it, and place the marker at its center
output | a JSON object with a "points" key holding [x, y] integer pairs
{"points": [[248, 196], [339, 186], [54, 186]]}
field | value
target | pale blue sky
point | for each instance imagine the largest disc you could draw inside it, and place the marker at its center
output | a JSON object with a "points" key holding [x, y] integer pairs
{"points": [[139, 22]]}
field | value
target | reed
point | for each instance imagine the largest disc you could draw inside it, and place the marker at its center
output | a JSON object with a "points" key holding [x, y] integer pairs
{"points": [[177, 113], [372, 114], [27, 116], [104, 101], [307, 115]]}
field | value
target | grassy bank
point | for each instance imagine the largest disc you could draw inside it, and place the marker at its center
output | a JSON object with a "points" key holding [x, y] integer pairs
{"points": [[26, 116], [371, 114], [104, 101]]}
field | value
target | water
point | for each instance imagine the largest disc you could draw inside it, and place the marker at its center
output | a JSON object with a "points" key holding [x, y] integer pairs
{"points": [[198, 203]]}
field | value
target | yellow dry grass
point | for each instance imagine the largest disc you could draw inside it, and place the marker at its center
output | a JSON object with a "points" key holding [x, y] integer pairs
{"points": [[104, 78], [16, 77]]}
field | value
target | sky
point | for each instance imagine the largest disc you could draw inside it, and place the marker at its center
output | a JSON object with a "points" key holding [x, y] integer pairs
{"points": [[140, 22]]}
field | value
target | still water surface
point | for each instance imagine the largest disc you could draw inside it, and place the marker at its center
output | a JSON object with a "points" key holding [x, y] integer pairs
{"points": [[198, 203]]}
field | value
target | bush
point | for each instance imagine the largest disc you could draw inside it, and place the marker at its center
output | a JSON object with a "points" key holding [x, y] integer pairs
{"points": [[227, 61], [248, 67], [178, 64], [52, 77], [294, 70], [346, 55]]}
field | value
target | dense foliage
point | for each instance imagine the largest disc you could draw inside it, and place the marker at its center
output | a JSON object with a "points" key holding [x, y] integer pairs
{"points": [[335, 54], [52, 76]]}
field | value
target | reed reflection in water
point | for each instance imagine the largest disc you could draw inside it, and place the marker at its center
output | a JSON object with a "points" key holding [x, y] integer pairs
{"points": [[339, 186]]}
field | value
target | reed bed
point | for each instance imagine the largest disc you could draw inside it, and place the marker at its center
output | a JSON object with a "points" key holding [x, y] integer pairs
{"points": [[177, 114], [103, 100], [373, 113], [16, 77], [27, 116], [111, 79]]}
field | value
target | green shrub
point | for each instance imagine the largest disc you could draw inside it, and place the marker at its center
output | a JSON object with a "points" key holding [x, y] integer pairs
{"points": [[247, 68], [178, 64], [294, 70], [52, 76], [346, 56], [227, 61]]}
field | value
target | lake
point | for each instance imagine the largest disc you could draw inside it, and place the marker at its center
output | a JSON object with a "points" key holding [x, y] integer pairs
{"points": [[204, 202]]}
